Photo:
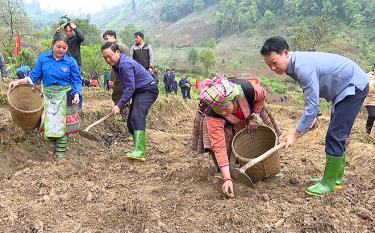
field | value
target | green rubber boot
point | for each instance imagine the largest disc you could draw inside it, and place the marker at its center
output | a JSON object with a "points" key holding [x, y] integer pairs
{"points": [[328, 182], [139, 152], [60, 148], [340, 177]]}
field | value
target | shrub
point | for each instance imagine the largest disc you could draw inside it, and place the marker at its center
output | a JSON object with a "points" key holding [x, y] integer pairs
{"points": [[274, 86]]}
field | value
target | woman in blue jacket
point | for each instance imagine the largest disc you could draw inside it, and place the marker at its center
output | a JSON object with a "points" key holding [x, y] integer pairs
{"points": [[62, 87]]}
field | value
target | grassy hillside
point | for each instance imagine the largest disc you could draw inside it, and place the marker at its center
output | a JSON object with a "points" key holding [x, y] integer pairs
{"points": [[145, 15], [174, 41]]}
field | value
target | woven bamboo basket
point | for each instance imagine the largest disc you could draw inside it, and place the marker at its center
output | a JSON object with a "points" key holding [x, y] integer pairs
{"points": [[26, 105], [244, 148]]}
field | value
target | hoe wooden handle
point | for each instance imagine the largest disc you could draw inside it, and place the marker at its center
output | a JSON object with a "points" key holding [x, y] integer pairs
{"points": [[99, 121], [264, 156]]}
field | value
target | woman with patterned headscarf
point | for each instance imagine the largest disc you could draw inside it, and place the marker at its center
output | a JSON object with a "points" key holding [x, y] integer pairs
{"points": [[227, 106]]}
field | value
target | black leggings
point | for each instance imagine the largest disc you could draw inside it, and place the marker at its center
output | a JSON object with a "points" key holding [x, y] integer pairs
{"points": [[370, 118]]}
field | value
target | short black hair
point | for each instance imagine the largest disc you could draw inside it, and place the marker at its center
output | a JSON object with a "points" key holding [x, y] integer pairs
{"points": [[274, 44], [60, 36], [140, 34], [113, 45], [67, 25], [110, 33]]}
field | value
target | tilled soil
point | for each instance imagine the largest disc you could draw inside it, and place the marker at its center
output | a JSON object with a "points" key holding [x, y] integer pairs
{"points": [[95, 189]]}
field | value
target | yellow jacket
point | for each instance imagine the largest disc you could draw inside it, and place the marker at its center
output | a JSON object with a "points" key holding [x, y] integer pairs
{"points": [[370, 99]]}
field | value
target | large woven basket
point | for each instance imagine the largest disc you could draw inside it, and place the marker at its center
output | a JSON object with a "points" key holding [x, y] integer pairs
{"points": [[244, 148], [26, 105]]}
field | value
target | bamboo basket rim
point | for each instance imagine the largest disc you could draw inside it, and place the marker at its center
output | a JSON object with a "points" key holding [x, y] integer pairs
{"points": [[245, 131], [24, 111]]}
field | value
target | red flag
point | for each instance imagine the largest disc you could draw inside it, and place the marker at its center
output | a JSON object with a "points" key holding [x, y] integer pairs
{"points": [[18, 44]]}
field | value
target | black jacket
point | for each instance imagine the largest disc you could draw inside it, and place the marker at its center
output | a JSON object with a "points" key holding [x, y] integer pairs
{"points": [[74, 44]]}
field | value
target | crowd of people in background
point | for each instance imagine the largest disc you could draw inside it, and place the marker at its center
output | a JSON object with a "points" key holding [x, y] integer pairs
{"points": [[171, 85]]}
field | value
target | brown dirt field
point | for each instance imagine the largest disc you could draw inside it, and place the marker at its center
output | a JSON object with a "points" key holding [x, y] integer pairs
{"points": [[95, 189]]}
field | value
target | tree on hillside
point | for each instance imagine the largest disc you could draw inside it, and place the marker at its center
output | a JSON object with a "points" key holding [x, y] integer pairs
{"points": [[271, 5], [193, 57], [290, 7], [351, 8], [268, 19], [312, 32], [211, 43], [90, 31], [172, 11], [199, 4], [26, 56], [328, 10], [208, 59], [237, 16], [368, 11], [92, 59], [14, 19], [321, 28], [301, 39], [126, 35], [308, 7]]}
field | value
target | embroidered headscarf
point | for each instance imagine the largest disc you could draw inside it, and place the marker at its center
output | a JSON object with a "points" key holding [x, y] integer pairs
{"points": [[219, 92]]}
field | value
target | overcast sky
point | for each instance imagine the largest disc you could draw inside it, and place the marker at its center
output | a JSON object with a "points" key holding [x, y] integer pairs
{"points": [[77, 6]]}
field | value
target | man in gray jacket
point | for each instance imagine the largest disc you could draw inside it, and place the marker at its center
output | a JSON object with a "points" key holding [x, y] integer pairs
{"points": [[322, 75]]}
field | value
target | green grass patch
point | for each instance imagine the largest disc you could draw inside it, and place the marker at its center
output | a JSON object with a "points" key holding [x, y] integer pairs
{"points": [[274, 85], [298, 99]]}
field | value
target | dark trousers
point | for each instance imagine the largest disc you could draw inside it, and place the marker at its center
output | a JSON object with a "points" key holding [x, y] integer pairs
{"points": [[188, 93], [370, 118], [20, 74], [85, 82], [106, 85], [142, 100], [166, 88], [342, 120], [184, 92]]}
